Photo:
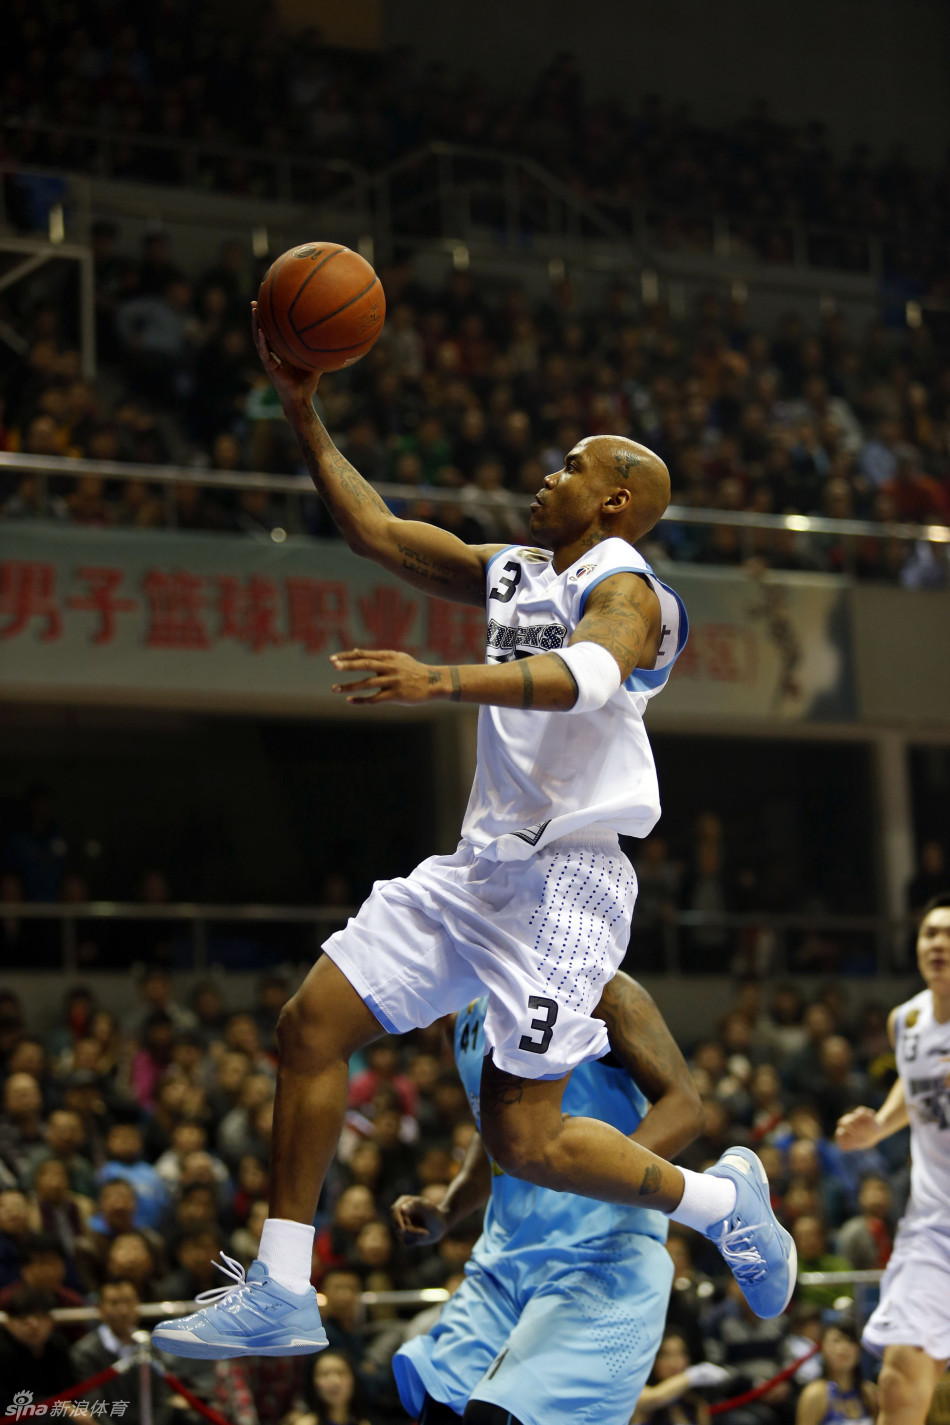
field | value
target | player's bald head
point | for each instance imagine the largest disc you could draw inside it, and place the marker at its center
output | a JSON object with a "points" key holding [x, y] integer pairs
{"points": [[624, 464]]}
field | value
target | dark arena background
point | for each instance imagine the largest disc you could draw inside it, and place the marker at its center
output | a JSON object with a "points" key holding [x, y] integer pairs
{"points": [[721, 230]]}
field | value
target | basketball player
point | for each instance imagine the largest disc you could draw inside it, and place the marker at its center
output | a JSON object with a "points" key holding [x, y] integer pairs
{"points": [[910, 1329], [564, 1301], [535, 904]]}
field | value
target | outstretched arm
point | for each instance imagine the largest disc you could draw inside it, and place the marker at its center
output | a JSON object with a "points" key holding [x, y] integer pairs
{"points": [[645, 1047], [429, 559], [622, 615]]}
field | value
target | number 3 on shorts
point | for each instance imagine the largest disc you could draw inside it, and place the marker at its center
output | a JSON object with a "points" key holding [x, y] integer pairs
{"points": [[545, 1026]]}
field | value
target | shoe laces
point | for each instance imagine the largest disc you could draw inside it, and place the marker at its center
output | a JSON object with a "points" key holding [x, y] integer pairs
{"points": [[238, 1281], [742, 1256]]}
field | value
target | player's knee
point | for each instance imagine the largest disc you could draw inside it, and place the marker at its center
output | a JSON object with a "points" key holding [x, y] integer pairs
{"points": [[306, 1031], [897, 1387], [294, 1028], [516, 1148]]}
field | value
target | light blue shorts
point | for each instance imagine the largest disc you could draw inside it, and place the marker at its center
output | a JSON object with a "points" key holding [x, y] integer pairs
{"points": [[572, 1340]]}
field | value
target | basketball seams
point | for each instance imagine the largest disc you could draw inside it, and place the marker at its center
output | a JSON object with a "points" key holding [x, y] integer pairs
{"points": [[361, 315], [299, 331], [309, 278], [354, 346]]}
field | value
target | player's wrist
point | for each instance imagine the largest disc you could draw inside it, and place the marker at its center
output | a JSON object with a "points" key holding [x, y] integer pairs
{"points": [[443, 1214], [298, 404], [448, 687]]}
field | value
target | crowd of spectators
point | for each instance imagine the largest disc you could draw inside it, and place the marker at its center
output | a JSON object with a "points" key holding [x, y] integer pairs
{"points": [[703, 869], [134, 1149], [172, 74], [479, 392]]}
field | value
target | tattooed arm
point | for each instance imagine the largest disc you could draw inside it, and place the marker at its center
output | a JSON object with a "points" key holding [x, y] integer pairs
{"points": [[429, 559], [622, 615], [645, 1047]]}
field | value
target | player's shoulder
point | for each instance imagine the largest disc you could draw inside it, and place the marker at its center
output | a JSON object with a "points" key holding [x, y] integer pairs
{"points": [[610, 556], [909, 1013], [911, 1009]]}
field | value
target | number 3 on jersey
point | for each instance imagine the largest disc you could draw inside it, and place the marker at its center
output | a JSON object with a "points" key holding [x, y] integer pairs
{"points": [[545, 1026], [508, 582]]}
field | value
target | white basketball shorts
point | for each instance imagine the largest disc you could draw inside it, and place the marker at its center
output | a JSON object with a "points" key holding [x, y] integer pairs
{"points": [[542, 937], [914, 1309]]}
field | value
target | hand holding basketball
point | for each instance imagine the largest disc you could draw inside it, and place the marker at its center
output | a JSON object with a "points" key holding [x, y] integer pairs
{"points": [[292, 383], [321, 306]]}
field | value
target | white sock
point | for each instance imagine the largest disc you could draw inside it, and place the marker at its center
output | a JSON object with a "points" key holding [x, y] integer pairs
{"points": [[706, 1199], [286, 1249]]}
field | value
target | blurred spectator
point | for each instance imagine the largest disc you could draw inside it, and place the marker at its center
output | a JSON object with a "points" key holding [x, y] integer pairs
{"points": [[21, 1124], [930, 878], [34, 1356], [153, 1057], [45, 1266], [126, 1161], [383, 1061], [749, 1347], [156, 987], [257, 1390], [246, 1240], [691, 1295], [343, 1313], [114, 1220], [671, 1394], [866, 1239], [843, 1086], [14, 1228], [335, 1244], [195, 1271], [658, 883], [813, 1256], [36, 852], [188, 1136], [805, 1166], [839, 1391], [110, 1341], [56, 1210], [334, 1392], [65, 1141]]}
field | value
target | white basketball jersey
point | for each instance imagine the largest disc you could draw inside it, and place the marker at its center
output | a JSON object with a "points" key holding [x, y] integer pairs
{"points": [[923, 1060], [541, 775]]}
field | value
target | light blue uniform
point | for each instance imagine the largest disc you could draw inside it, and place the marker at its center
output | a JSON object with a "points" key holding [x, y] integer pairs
{"points": [[564, 1300]]}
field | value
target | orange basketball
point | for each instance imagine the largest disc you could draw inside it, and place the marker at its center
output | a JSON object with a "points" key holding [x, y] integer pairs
{"points": [[321, 306]]}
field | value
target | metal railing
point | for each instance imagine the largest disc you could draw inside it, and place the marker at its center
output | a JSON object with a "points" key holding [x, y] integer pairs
{"points": [[448, 190], [158, 1310], [852, 532], [688, 942]]}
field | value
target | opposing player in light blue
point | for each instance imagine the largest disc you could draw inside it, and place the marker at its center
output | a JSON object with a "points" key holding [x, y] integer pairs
{"points": [[564, 1301]]}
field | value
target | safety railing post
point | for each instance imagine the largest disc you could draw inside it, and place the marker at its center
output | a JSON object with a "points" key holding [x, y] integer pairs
{"points": [[144, 1372]]}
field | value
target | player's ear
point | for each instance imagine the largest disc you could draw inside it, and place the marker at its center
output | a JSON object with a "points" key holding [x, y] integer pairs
{"points": [[617, 501]]}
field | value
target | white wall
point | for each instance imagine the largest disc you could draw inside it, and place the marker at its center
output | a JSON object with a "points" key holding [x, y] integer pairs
{"points": [[876, 70]]}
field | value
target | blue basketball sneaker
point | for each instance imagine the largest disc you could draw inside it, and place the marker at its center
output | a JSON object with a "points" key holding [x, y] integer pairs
{"points": [[757, 1250], [255, 1316]]}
